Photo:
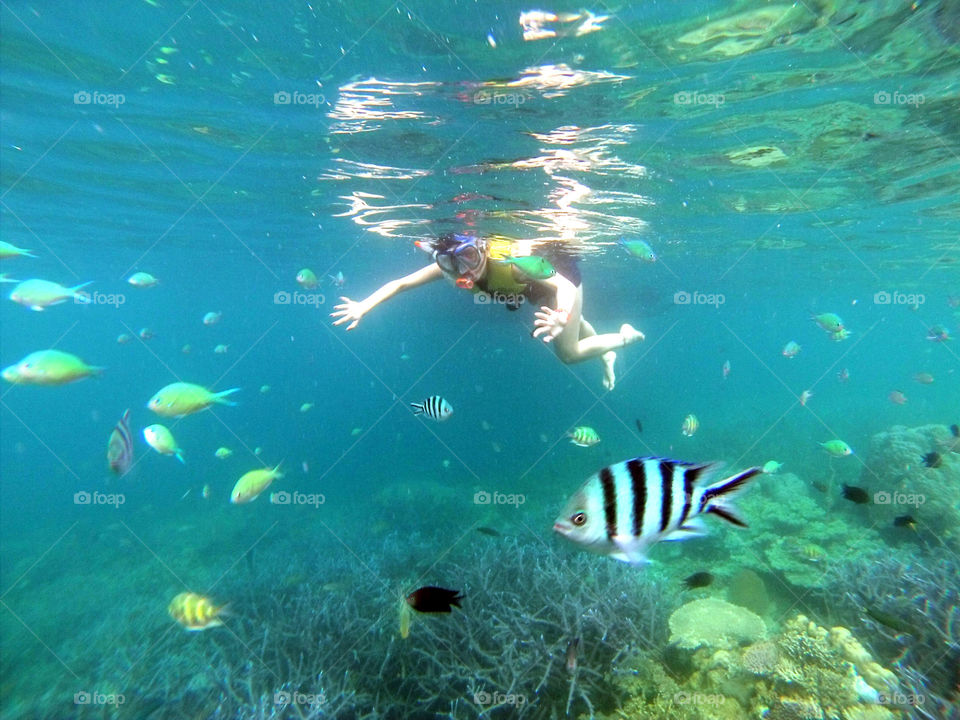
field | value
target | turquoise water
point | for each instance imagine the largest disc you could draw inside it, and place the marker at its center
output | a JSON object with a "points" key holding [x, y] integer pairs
{"points": [[780, 161]]}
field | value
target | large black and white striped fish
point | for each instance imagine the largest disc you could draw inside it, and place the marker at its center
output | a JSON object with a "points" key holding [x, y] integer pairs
{"points": [[625, 508], [434, 407]]}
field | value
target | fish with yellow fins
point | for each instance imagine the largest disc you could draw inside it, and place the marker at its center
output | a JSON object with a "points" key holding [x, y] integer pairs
{"points": [[49, 367], [195, 612], [180, 398], [8, 251], [249, 487]]}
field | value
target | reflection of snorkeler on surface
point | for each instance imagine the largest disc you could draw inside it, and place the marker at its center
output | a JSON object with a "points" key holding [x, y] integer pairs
{"points": [[477, 264]]}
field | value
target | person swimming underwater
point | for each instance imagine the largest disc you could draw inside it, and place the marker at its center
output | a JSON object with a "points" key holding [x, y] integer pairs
{"points": [[483, 264]]}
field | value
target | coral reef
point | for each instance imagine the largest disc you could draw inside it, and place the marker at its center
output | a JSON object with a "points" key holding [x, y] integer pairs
{"points": [[900, 483], [714, 623]]}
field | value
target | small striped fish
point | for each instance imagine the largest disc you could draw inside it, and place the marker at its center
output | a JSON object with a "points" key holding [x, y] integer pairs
{"points": [[434, 407], [627, 507], [583, 436], [120, 447]]}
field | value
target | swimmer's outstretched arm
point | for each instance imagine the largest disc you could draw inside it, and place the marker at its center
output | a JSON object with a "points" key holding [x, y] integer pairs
{"points": [[353, 310], [550, 322]]}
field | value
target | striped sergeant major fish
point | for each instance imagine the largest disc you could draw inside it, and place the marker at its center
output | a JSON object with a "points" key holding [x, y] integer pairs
{"points": [[434, 407], [625, 508], [120, 447]]}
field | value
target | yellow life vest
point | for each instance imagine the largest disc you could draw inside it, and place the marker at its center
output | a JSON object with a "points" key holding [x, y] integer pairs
{"points": [[499, 277]]}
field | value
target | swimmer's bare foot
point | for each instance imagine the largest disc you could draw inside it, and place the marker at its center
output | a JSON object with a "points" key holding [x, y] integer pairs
{"points": [[609, 377], [630, 334]]}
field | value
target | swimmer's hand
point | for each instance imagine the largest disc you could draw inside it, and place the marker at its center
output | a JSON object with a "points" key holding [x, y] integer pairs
{"points": [[349, 310], [549, 323]]}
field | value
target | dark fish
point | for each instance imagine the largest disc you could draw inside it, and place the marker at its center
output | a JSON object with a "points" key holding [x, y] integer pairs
{"points": [[933, 460], [856, 494], [698, 580], [819, 485], [432, 599], [626, 507], [572, 648], [639, 425], [890, 621], [955, 430], [488, 531], [120, 447], [906, 521]]}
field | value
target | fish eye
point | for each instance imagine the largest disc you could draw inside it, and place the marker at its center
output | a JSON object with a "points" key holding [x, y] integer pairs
{"points": [[579, 519]]}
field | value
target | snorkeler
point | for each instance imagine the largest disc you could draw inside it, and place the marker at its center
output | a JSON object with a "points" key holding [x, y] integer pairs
{"points": [[486, 265]]}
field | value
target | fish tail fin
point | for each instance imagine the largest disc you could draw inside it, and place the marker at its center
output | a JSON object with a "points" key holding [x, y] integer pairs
{"points": [[178, 453], [716, 498], [276, 470], [81, 286], [96, 371], [417, 408], [219, 397]]}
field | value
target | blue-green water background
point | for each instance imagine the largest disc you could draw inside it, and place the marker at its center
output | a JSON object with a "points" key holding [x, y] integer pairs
{"points": [[224, 195]]}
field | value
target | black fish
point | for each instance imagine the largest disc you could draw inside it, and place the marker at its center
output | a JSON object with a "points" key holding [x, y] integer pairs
{"points": [[905, 521], [933, 460], [640, 425], [432, 599], [856, 494], [488, 531], [698, 580], [955, 430]]}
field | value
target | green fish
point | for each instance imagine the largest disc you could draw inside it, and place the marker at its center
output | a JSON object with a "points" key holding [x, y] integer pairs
{"points": [[837, 448], [49, 367], [638, 249], [583, 436], [830, 322], [533, 266]]}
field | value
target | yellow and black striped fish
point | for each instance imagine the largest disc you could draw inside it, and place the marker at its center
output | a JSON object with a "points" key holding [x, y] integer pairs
{"points": [[195, 612]]}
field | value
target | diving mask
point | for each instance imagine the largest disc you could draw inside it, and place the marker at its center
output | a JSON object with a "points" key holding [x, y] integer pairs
{"points": [[466, 260]]}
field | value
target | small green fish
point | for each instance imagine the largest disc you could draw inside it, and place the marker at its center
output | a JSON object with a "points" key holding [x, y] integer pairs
{"points": [[49, 367], [837, 448], [772, 466], [532, 266], [830, 322], [638, 249], [583, 436]]}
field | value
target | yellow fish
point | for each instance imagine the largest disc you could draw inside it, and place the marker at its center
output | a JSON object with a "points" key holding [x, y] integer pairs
{"points": [[49, 367], [690, 425], [405, 614], [249, 487], [195, 612], [143, 280], [8, 251], [223, 452], [306, 407], [180, 398], [39, 294], [161, 439]]}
